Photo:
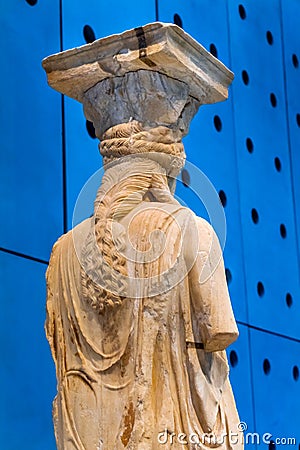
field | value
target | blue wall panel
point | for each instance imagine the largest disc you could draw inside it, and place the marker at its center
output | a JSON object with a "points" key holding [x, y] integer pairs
{"points": [[82, 155], [240, 376], [276, 384], [30, 182], [267, 213], [27, 371], [291, 52]]}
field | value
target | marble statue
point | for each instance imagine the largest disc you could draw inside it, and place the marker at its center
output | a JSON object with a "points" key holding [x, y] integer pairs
{"points": [[138, 311]]}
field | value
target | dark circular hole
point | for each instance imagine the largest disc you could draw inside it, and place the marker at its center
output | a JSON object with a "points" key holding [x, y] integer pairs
{"points": [[223, 198], [254, 215], [295, 61], [242, 12], [289, 299], [90, 129], [228, 276], [249, 145], [272, 445], [269, 37], [185, 177], [32, 2], [296, 373], [298, 119], [266, 366], [260, 289], [88, 34], [233, 358], [213, 50], [245, 77], [277, 163], [217, 123], [273, 100], [177, 20], [283, 232]]}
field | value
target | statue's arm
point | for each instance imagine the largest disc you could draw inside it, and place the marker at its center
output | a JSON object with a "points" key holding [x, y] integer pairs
{"points": [[210, 302]]}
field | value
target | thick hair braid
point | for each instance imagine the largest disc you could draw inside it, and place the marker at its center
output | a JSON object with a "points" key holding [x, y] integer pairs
{"points": [[104, 271], [130, 138]]}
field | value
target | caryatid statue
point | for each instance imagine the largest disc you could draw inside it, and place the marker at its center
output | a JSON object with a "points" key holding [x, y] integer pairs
{"points": [[138, 311]]}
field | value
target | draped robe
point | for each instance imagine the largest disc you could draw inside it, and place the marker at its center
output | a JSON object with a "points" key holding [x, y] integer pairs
{"points": [[136, 376]]}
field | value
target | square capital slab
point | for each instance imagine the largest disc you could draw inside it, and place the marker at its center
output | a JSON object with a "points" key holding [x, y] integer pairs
{"points": [[158, 47]]}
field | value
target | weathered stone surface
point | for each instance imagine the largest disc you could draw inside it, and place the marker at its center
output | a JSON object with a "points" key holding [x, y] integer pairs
{"points": [[140, 96], [138, 311], [157, 47]]}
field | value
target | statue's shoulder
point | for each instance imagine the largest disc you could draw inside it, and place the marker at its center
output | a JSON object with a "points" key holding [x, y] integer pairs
{"points": [[200, 232], [76, 234], [204, 226], [66, 245], [201, 224]]}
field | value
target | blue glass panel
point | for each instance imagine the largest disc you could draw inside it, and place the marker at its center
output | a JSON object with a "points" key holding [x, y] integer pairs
{"points": [[291, 53], [240, 376], [276, 385], [267, 211], [27, 371], [30, 182]]}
